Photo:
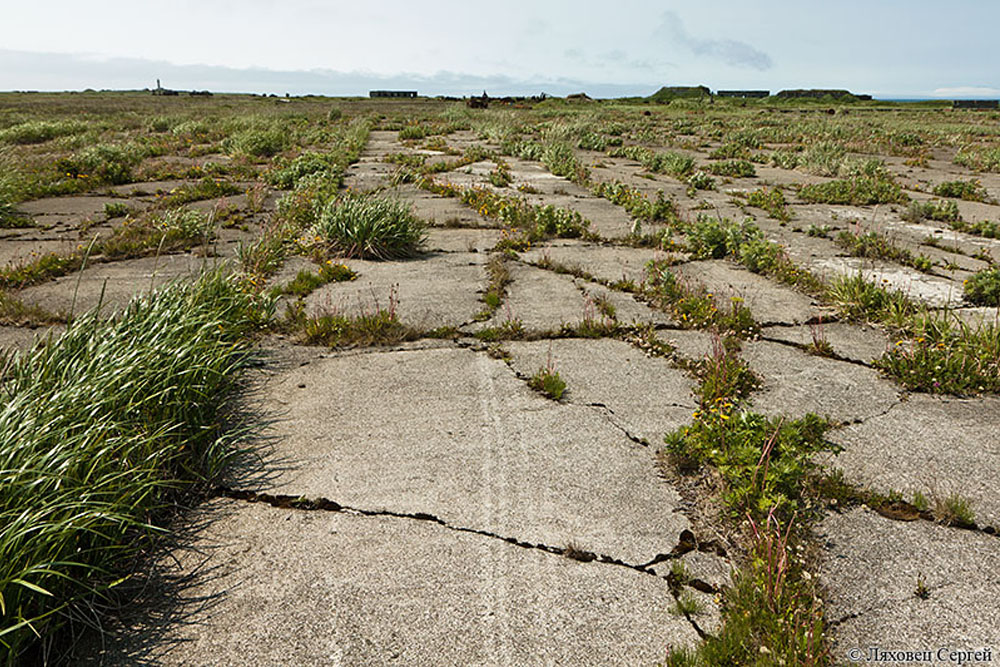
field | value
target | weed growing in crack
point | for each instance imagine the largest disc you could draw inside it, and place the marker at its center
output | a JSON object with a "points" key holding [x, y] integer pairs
{"points": [[371, 325], [921, 590], [686, 604], [547, 382], [955, 510], [819, 346], [695, 307], [724, 378], [499, 278], [971, 190], [306, 281], [770, 200]]}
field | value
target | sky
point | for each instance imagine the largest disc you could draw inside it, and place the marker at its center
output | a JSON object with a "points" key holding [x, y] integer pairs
{"points": [[888, 48]]}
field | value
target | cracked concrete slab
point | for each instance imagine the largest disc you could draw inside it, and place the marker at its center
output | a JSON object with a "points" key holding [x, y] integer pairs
{"points": [[931, 290], [317, 588], [796, 383], [454, 433], [542, 300], [871, 569], [768, 301], [608, 263], [855, 342], [461, 240], [646, 397], [431, 291], [934, 445], [113, 284]]}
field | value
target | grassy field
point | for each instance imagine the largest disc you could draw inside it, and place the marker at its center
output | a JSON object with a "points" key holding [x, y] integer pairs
{"points": [[119, 418]]}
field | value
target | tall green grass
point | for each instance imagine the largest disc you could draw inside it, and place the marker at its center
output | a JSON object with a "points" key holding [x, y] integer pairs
{"points": [[100, 430]]}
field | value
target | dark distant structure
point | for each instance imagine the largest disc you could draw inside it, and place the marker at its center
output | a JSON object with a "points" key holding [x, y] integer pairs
{"points": [[745, 94], [480, 102], [160, 90], [200, 93], [817, 93], [392, 93], [975, 104]]}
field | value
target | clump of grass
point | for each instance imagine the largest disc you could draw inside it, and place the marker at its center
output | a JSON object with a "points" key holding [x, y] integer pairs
{"points": [[371, 227], [15, 312], [955, 510], [983, 288], [372, 325], [511, 329], [167, 231], [700, 180], [547, 382], [11, 218], [259, 143], [116, 209], [876, 245], [286, 173], [733, 169], [943, 211], [674, 164], [772, 201], [206, 188], [40, 268], [499, 278], [306, 281], [102, 163], [500, 176], [971, 190], [860, 190], [724, 378], [862, 300], [102, 430]]}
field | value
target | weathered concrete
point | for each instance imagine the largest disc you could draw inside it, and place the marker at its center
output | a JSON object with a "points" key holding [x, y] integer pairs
{"points": [[647, 397], [768, 301], [113, 284], [938, 446], [608, 263], [318, 588], [851, 341], [796, 383], [872, 567], [542, 300], [427, 292], [455, 434]]}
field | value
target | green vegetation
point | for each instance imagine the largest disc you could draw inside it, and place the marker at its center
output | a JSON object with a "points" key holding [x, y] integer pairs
{"points": [[944, 211], [371, 227], [876, 245], [733, 169], [971, 190], [102, 430], [770, 200], [857, 191], [983, 288], [635, 203], [306, 281], [695, 307], [546, 381]]}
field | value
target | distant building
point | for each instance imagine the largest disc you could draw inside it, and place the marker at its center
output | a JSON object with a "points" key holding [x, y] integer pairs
{"points": [[975, 104], [757, 94], [817, 92], [160, 90], [392, 93], [669, 93]]}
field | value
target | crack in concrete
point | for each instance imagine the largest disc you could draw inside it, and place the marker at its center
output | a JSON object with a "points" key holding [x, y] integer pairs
{"points": [[805, 348], [609, 415], [686, 542]]}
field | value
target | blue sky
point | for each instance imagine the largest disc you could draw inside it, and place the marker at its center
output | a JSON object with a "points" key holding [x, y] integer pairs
{"points": [[891, 48]]}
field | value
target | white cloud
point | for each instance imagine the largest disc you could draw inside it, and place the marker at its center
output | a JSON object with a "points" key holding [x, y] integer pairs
{"points": [[967, 91]]}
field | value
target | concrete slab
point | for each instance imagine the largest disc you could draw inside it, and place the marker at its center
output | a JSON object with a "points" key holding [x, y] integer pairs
{"points": [[319, 588], [768, 301], [542, 300], [454, 433], [647, 397], [936, 445], [796, 383], [871, 568], [931, 290], [461, 240], [430, 291], [855, 342], [113, 284], [609, 263]]}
